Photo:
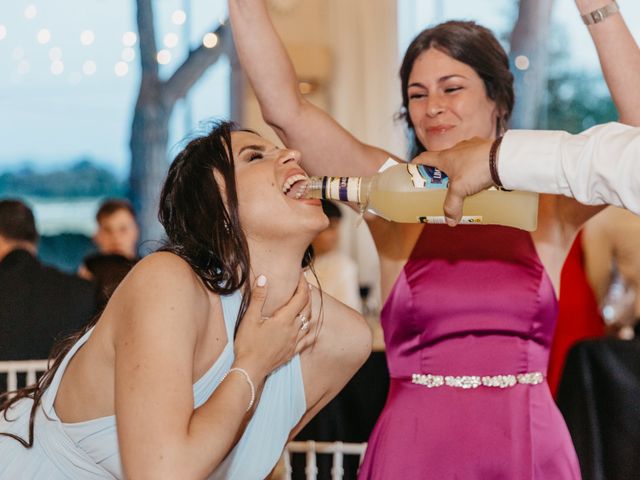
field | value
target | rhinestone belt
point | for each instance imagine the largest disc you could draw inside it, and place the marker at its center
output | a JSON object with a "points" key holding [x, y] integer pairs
{"points": [[473, 381]]}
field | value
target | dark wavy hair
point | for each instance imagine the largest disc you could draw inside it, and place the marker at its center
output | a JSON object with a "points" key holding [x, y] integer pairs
{"points": [[473, 45], [201, 228]]}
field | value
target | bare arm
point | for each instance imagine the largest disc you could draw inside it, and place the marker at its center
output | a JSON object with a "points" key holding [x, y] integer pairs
{"points": [[163, 315], [327, 148], [619, 57], [598, 250], [620, 62], [343, 345]]}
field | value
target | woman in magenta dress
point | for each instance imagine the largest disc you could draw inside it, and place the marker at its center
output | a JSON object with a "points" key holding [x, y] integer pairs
{"points": [[469, 312]]}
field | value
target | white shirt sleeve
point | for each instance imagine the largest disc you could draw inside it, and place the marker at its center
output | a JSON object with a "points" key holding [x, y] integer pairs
{"points": [[598, 166]]}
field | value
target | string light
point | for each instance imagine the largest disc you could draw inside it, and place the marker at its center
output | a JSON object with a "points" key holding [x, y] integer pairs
{"points": [[87, 37], [129, 39], [522, 62], [178, 17], [57, 67], [128, 54], [89, 67], [163, 57], [121, 69], [44, 36], [210, 40], [30, 12], [170, 40], [55, 54]]}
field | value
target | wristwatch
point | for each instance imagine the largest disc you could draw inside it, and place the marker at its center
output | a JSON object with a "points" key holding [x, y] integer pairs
{"points": [[600, 14]]}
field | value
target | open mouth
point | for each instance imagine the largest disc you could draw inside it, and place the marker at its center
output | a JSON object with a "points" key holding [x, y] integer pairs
{"points": [[295, 186]]}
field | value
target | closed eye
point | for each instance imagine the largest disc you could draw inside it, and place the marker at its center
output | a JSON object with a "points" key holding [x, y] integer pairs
{"points": [[255, 156], [452, 89], [416, 96]]}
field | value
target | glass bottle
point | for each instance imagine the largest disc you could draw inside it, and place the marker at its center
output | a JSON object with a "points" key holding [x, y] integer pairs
{"points": [[414, 193]]}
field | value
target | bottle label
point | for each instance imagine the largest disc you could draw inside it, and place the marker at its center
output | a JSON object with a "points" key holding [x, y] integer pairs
{"points": [[466, 220], [345, 189], [424, 176]]}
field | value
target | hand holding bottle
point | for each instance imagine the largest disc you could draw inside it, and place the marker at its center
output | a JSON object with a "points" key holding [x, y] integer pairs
{"points": [[467, 166]]}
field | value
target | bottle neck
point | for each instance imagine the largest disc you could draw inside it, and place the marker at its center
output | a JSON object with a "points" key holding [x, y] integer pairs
{"points": [[342, 189]]}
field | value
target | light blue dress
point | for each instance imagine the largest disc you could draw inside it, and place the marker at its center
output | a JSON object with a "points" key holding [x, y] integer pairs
{"points": [[89, 450]]}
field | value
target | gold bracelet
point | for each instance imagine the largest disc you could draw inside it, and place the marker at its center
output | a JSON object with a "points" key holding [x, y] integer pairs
{"points": [[600, 14]]}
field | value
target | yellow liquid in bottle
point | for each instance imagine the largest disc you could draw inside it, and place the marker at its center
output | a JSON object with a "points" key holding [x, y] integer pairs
{"points": [[393, 195], [406, 193]]}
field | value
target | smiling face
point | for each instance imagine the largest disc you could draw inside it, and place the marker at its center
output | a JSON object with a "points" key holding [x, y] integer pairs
{"points": [[448, 102], [267, 180]]}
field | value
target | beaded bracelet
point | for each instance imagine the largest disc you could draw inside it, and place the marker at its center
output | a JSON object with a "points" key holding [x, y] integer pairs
{"points": [[248, 379], [493, 167]]}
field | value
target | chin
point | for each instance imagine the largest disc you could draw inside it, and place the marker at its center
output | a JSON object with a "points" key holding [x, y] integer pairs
{"points": [[439, 145], [315, 223]]}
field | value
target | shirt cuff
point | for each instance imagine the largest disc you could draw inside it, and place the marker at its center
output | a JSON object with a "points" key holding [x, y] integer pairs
{"points": [[528, 160]]}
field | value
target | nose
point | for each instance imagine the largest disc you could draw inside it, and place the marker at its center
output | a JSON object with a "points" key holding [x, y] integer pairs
{"points": [[435, 106], [289, 155]]}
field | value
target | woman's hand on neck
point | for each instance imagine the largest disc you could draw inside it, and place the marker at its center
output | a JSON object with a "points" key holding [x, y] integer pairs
{"points": [[282, 268]]}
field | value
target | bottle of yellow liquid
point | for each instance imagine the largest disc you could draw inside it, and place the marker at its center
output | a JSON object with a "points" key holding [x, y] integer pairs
{"points": [[413, 193]]}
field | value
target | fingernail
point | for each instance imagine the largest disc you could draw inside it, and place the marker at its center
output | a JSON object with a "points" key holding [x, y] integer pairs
{"points": [[261, 281], [451, 222]]}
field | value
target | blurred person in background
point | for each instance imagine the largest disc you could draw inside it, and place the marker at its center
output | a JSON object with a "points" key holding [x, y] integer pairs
{"points": [[38, 304], [116, 238], [612, 259], [117, 228]]}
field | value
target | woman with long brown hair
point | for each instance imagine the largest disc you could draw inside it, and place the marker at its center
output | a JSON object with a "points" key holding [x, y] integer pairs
{"points": [[189, 372]]}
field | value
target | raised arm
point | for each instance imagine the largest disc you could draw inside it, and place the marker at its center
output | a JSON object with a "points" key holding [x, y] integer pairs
{"points": [[619, 57], [327, 148], [162, 316]]}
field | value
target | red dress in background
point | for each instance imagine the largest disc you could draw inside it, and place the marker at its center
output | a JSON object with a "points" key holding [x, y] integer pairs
{"points": [[578, 317]]}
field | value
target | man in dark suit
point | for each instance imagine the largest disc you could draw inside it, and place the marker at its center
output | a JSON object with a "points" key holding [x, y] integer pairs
{"points": [[38, 304]]}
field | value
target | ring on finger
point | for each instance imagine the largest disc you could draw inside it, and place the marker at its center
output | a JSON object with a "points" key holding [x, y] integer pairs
{"points": [[304, 323]]}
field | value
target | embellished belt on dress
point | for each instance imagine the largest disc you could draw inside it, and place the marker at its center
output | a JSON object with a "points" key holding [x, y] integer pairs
{"points": [[473, 381]]}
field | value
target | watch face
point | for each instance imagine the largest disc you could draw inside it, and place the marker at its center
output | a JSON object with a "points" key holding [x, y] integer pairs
{"points": [[283, 5]]}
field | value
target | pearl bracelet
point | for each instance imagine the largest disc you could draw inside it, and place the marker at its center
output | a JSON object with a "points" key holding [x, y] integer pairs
{"points": [[248, 379]]}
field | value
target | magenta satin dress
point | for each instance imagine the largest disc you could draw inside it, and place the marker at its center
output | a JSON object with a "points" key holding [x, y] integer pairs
{"points": [[471, 301]]}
